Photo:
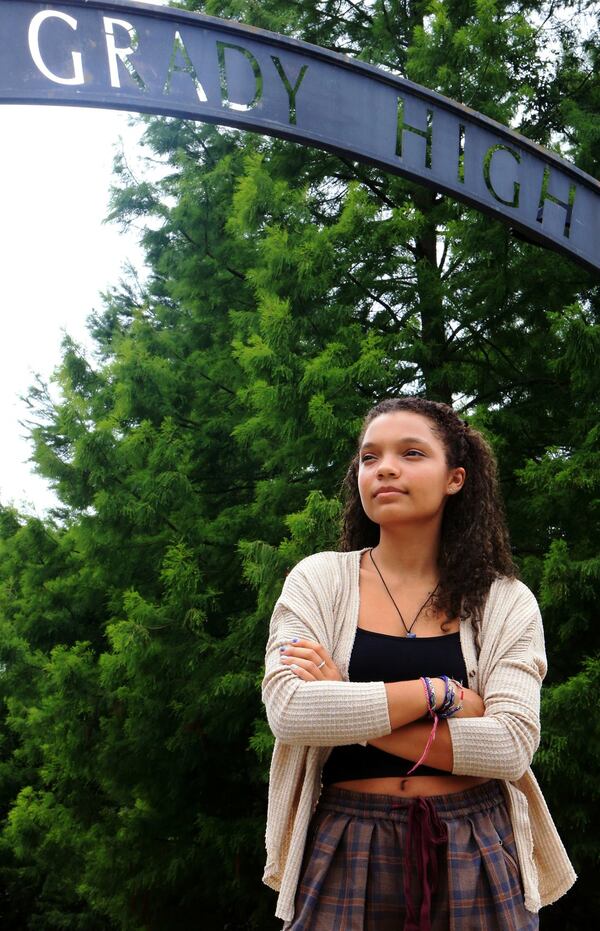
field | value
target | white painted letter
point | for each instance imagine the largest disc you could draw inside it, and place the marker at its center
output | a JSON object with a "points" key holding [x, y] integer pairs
{"points": [[115, 53], [34, 47]]}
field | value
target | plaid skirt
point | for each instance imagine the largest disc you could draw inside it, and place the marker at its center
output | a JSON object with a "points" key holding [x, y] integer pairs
{"points": [[384, 863]]}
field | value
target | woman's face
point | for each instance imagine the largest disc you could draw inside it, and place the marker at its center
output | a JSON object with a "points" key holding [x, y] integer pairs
{"points": [[403, 475]]}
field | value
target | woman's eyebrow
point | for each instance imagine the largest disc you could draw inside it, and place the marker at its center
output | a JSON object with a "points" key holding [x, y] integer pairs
{"points": [[401, 441]]}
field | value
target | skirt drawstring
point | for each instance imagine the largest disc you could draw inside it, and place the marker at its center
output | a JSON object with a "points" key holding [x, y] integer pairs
{"points": [[424, 839]]}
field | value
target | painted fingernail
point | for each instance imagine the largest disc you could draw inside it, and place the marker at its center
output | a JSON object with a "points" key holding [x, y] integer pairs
{"points": [[295, 639], [293, 666], [282, 649]]}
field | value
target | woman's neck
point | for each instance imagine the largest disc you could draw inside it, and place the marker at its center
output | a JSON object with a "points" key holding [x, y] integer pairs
{"points": [[404, 555]]}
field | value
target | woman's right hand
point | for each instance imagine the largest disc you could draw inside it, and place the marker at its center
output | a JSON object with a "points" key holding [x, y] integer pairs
{"points": [[472, 705]]}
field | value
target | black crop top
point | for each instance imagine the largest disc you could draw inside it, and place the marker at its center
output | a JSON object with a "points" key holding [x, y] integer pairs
{"points": [[377, 657]]}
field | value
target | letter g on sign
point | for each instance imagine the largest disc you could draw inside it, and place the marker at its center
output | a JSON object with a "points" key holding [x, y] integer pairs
{"points": [[34, 47]]}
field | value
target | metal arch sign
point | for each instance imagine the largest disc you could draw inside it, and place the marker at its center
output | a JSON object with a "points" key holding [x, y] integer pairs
{"points": [[134, 56]]}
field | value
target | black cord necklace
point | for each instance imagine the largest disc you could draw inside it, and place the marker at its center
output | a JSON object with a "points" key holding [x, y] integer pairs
{"points": [[408, 630]]}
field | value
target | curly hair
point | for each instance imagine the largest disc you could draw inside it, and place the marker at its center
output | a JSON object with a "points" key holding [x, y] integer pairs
{"points": [[474, 547]]}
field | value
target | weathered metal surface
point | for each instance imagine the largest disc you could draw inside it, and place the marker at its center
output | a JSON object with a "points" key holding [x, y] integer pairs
{"points": [[133, 56]]}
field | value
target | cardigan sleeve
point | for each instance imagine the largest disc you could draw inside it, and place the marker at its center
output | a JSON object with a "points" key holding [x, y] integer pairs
{"points": [[316, 713], [501, 744]]}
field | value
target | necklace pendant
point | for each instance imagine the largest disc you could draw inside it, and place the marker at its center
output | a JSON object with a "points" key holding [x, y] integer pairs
{"points": [[411, 635]]}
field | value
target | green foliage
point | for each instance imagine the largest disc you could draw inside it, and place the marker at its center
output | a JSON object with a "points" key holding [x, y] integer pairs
{"points": [[199, 455]]}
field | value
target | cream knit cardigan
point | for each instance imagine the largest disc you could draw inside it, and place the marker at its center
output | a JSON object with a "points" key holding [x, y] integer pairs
{"points": [[320, 601]]}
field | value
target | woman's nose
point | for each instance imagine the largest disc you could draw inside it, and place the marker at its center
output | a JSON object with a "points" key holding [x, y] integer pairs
{"points": [[388, 465]]}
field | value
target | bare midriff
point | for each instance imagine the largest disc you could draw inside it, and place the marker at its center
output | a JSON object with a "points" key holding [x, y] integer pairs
{"points": [[411, 786]]}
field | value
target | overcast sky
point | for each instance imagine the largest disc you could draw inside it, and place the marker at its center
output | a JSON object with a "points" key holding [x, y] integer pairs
{"points": [[56, 257]]}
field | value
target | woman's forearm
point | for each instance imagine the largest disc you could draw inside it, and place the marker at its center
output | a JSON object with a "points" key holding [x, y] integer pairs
{"points": [[406, 702], [410, 740]]}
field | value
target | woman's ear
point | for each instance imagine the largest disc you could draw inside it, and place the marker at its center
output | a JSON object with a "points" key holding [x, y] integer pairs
{"points": [[456, 480]]}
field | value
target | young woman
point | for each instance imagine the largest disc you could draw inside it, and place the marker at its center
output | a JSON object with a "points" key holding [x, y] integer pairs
{"points": [[402, 685]]}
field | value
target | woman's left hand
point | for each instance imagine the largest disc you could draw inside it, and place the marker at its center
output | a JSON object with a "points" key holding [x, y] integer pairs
{"points": [[309, 661]]}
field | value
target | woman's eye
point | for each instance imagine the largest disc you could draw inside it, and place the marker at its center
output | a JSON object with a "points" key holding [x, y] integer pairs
{"points": [[366, 457], [413, 452]]}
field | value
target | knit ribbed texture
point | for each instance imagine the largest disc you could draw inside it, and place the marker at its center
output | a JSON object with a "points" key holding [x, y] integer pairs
{"points": [[512, 663], [320, 602]]}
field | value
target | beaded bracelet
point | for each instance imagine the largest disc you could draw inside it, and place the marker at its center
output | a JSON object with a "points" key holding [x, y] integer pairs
{"points": [[448, 707], [430, 696]]}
